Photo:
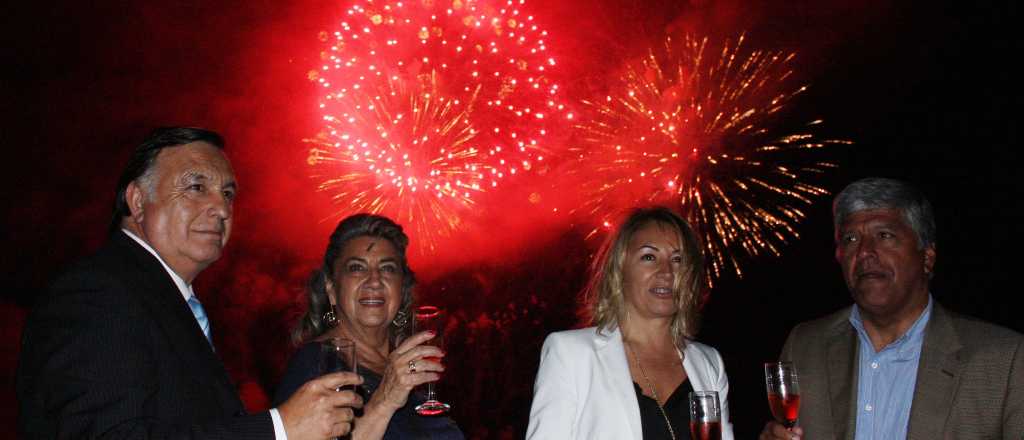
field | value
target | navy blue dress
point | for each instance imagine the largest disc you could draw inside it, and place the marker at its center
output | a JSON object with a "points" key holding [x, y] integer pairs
{"points": [[405, 423]]}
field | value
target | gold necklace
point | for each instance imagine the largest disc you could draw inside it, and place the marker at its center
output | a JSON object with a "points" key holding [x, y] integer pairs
{"points": [[654, 391]]}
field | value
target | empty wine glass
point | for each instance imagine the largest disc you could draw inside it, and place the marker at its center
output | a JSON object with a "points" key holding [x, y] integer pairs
{"points": [[338, 354]]}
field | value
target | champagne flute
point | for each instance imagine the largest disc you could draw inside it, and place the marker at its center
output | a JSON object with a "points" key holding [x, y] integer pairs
{"points": [[705, 416], [783, 392], [338, 354], [431, 318]]}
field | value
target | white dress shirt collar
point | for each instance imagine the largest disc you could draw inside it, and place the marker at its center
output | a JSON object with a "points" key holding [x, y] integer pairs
{"points": [[185, 289]]}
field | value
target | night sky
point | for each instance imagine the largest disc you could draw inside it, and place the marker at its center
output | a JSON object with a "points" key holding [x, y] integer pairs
{"points": [[924, 89]]}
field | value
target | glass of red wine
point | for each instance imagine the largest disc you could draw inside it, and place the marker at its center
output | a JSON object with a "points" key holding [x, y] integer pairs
{"points": [[431, 318], [705, 416], [783, 392]]}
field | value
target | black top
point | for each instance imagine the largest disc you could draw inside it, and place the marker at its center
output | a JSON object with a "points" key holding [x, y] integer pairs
{"points": [[405, 423], [676, 407]]}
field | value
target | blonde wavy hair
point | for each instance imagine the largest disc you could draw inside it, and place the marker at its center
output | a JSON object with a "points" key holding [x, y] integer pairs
{"points": [[604, 301]]}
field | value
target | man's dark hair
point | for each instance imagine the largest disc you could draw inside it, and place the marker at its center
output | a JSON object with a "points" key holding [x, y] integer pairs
{"points": [[144, 157]]}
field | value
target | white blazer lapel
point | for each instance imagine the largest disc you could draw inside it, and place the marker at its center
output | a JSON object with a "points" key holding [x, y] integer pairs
{"points": [[611, 356], [697, 369]]}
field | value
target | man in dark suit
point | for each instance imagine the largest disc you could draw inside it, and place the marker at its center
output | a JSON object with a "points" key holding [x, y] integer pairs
{"points": [[897, 365], [120, 347]]}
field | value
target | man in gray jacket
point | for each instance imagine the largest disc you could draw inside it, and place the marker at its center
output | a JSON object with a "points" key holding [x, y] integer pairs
{"points": [[896, 364]]}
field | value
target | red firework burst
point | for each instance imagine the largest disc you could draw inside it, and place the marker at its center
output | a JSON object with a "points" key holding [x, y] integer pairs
{"points": [[427, 104], [700, 128]]}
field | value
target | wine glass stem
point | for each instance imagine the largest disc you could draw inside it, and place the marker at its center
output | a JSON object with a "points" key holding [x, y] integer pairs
{"points": [[431, 395]]}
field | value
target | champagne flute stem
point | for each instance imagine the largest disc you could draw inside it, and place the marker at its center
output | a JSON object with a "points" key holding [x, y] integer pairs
{"points": [[431, 395]]}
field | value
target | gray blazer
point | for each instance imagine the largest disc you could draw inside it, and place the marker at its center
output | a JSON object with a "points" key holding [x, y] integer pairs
{"points": [[970, 380]]}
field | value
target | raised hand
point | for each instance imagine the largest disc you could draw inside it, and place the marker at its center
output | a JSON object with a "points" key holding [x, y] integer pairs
{"points": [[776, 431], [317, 410], [410, 364]]}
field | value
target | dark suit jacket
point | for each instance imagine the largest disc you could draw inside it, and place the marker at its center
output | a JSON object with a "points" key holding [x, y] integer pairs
{"points": [[970, 379], [112, 350]]}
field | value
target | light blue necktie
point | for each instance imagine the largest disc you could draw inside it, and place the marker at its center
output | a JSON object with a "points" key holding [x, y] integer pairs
{"points": [[200, 314]]}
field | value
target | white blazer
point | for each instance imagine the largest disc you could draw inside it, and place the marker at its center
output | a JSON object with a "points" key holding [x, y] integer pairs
{"points": [[584, 389]]}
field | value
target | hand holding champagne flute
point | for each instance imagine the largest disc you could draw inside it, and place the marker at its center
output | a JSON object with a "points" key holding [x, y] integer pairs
{"points": [[783, 392], [338, 354]]}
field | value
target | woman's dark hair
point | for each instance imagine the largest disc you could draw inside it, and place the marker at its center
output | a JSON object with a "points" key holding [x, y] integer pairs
{"points": [[359, 225], [143, 159]]}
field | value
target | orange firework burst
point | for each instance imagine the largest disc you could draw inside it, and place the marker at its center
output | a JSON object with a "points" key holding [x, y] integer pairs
{"points": [[703, 132], [427, 104]]}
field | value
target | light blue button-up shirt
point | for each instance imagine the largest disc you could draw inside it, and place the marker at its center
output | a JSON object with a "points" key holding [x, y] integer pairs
{"points": [[886, 379]]}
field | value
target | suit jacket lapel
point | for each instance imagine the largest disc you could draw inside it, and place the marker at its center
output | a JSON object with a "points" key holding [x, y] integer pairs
{"points": [[842, 359], [938, 374], [611, 357], [169, 309]]}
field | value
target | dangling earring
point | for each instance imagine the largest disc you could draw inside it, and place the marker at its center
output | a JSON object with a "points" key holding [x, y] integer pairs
{"points": [[330, 319], [400, 319]]}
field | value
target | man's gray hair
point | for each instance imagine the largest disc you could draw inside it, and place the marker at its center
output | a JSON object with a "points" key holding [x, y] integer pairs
{"points": [[882, 193]]}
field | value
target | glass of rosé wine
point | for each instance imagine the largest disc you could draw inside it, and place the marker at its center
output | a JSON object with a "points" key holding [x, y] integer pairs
{"points": [[783, 392], [705, 416], [431, 318]]}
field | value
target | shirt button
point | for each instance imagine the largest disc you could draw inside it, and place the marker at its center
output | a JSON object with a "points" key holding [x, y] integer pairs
{"points": [[868, 407], [874, 365]]}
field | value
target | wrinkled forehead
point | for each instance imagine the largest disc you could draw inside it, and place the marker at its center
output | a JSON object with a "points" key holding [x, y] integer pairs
{"points": [[366, 246], [894, 217], [196, 157]]}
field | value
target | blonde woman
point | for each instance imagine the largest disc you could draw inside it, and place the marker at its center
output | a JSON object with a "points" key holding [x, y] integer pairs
{"points": [[628, 376]]}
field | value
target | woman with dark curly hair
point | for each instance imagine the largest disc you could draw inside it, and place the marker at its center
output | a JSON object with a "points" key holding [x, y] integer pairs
{"points": [[363, 292]]}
